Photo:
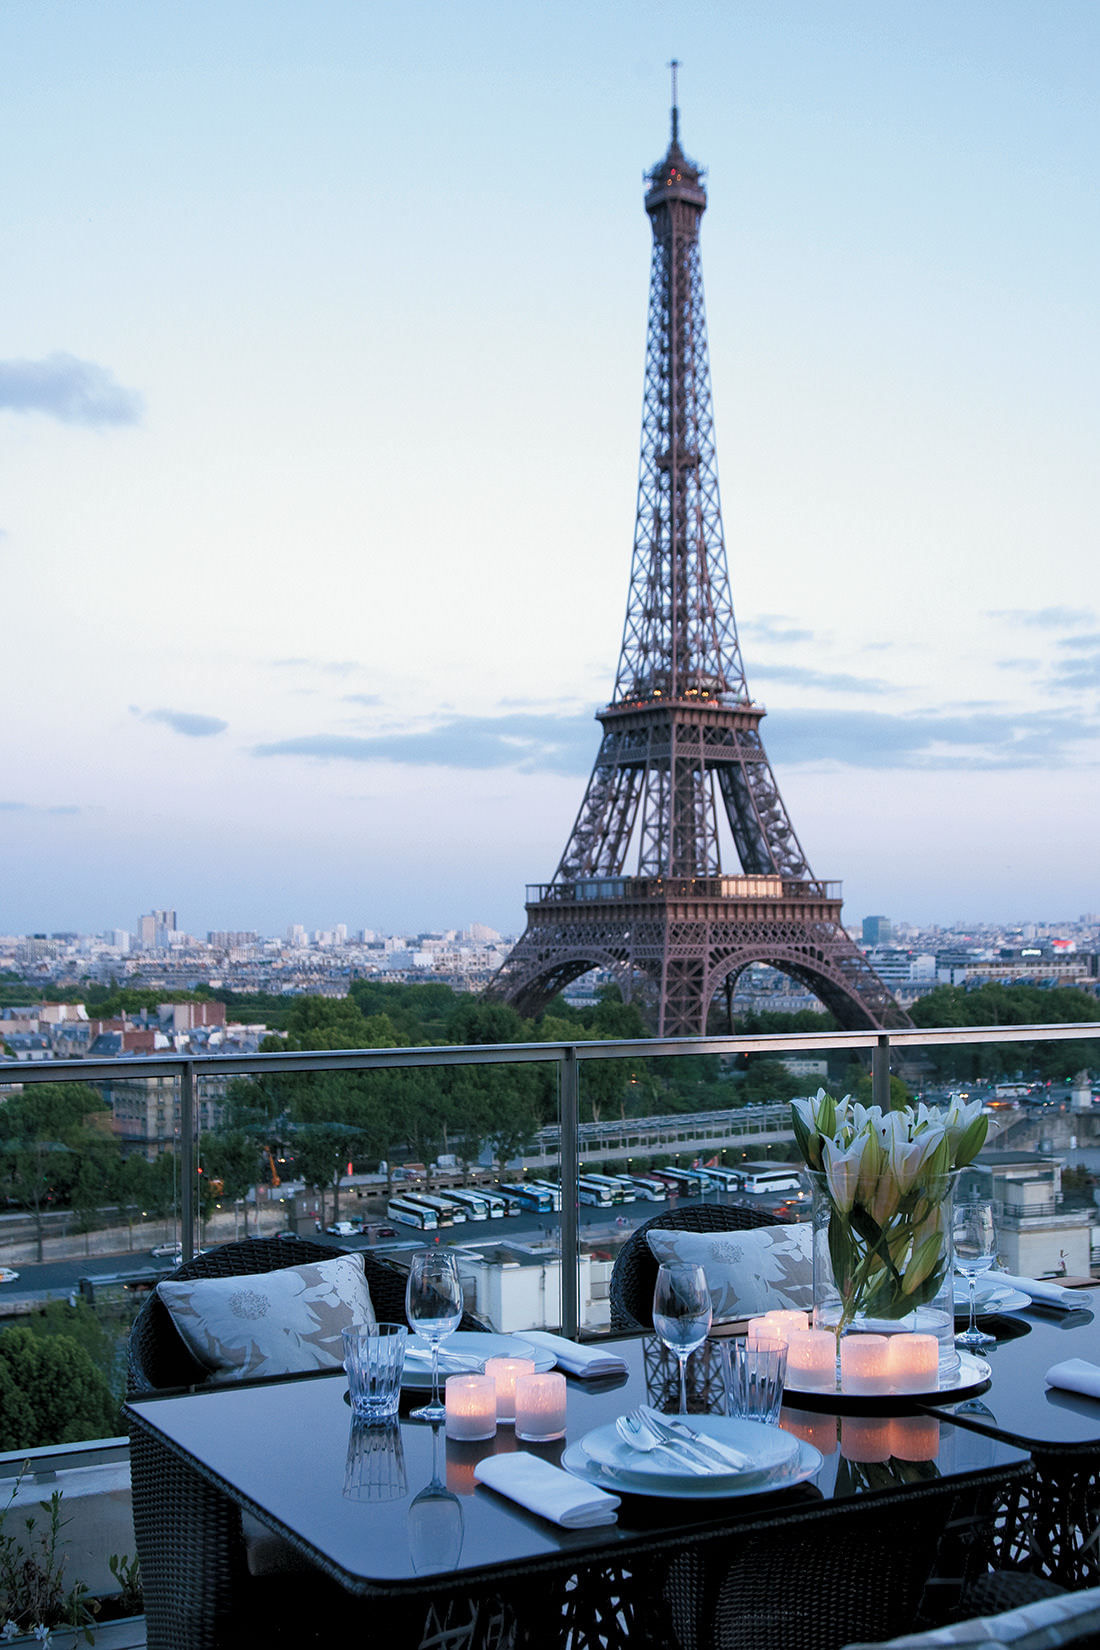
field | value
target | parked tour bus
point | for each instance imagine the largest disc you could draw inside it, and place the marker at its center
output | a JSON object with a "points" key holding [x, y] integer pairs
{"points": [[500, 1205], [620, 1189], [727, 1180], [647, 1188], [530, 1196], [446, 1212], [689, 1182], [770, 1177], [407, 1213], [476, 1204], [553, 1189], [590, 1192]]}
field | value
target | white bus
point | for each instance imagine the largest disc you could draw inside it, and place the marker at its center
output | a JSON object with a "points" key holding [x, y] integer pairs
{"points": [[621, 1190], [593, 1194], [500, 1205], [446, 1212], [650, 1191], [475, 1204], [404, 1212], [778, 1177], [727, 1180]]}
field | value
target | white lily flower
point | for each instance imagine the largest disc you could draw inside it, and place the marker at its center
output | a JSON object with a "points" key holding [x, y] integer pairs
{"points": [[842, 1167]]}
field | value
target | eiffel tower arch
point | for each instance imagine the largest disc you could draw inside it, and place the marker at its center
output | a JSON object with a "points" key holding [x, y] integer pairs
{"points": [[641, 888]]}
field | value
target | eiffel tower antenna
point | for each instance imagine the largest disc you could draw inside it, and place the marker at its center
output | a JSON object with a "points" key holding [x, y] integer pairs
{"points": [[641, 888]]}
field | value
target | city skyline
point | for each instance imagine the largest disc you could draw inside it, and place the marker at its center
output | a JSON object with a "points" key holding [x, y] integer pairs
{"points": [[320, 379]]}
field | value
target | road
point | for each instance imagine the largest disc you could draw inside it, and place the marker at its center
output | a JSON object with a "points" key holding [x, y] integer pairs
{"points": [[58, 1278]]}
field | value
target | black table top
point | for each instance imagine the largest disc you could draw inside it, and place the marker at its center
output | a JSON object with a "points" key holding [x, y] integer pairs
{"points": [[280, 1450], [1018, 1405]]}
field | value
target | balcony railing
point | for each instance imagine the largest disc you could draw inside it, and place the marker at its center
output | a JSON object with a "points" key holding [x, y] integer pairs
{"points": [[566, 1058]]}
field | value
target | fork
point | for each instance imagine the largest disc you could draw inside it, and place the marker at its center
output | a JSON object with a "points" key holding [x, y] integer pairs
{"points": [[635, 1431], [673, 1429]]}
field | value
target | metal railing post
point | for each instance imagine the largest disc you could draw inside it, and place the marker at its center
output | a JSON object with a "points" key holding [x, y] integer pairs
{"points": [[187, 1160], [880, 1074], [570, 1192]]}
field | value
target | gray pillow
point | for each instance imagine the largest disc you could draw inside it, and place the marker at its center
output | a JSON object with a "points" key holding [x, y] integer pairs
{"points": [[748, 1272], [271, 1323], [1072, 1619]]}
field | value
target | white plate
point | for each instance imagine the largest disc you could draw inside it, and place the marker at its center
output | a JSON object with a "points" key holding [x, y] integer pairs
{"points": [[990, 1297], [470, 1344], [770, 1451], [971, 1372], [805, 1465]]}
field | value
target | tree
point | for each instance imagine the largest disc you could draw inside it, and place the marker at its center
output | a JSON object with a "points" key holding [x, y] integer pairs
{"points": [[52, 1391]]}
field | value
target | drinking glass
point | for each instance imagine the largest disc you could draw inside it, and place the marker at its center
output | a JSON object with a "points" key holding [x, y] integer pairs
{"points": [[433, 1306], [975, 1242], [681, 1314]]}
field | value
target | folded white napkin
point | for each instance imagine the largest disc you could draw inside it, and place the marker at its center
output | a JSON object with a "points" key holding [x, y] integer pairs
{"points": [[585, 1361], [1076, 1375], [1044, 1290], [545, 1489]]}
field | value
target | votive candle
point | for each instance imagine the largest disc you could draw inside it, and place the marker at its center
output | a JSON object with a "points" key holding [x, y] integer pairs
{"points": [[863, 1364], [471, 1406], [505, 1372], [811, 1360], [913, 1362], [540, 1407]]}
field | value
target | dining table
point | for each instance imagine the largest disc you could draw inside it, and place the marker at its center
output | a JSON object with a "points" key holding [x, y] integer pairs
{"points": [[391, 1527]]}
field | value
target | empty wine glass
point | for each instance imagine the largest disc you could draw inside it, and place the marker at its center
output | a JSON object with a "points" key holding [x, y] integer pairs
{"points": [[681, 1314], [974, 1237], [433, 1306]]}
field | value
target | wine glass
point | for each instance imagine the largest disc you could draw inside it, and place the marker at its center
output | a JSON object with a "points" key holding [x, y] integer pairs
{"points": [[975, 1242], [681, 1314], [433, 1306]]}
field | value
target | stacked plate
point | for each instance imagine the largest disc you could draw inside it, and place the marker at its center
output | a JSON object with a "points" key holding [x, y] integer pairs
{"points": [[774, 1460], [464, 1353], [989, 1297]]}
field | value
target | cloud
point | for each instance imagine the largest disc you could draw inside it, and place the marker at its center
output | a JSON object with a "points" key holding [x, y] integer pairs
{"points": [[829, 681], [63, 387], [187, 722], [331, 667], [547, 744], [29, 808], [1077, 673], [1048, 618], [362, 698], [934, 741], [774, 627]]}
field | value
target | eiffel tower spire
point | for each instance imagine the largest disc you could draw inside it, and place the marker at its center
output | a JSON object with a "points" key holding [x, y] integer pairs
{"points": [[681, 759]]}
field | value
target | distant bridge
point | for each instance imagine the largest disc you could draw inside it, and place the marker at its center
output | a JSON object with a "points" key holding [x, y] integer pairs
{"points": [[743, 1129]]}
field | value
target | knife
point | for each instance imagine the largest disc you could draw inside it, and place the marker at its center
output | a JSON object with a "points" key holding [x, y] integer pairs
{"points": [[678, 1432]]}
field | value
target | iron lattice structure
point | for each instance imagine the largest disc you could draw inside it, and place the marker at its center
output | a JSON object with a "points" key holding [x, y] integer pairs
{"points": [[681, 753]]}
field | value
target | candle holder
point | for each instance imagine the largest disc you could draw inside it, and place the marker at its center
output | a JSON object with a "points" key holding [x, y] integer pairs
{"points": [[811, 1360], [540, 1407], [913, 1362], [505, 1372], [471, 1407], [864, 1370]]}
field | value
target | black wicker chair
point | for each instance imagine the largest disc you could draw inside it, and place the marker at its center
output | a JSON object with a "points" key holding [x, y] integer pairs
{"points": [[199, 1591], [635, 1272]]}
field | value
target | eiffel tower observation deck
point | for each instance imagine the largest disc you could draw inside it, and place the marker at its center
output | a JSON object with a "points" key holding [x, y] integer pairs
{"points": [[641, 888]]}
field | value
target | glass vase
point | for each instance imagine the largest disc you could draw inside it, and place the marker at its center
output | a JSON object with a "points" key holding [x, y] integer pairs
{"points": [[885, 1264]]}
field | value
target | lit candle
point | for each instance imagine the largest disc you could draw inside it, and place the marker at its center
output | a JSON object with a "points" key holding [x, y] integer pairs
{"points": [[787, 1318], [913, 1362], [471, 1406], [915, 1437], [818, 1430], [505, 1372], [540, 1407], [811, 1360], [865, 1437], [863, 1365]]}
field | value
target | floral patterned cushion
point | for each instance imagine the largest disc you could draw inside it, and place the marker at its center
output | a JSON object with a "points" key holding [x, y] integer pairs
{"points": [[1072, 1619], [271, 1323], [747, 1272]]}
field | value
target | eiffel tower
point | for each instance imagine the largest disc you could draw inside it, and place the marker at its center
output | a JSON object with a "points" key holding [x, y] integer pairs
{"points": [[681, 751]]}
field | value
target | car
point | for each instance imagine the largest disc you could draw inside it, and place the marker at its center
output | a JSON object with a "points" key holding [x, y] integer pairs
{"points": [[344, 1228], [168, 1251], [385, 1231], [7, 1275]]}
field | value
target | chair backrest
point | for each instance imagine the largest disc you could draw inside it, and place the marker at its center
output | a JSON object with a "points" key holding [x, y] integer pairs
{"points": [[159, 1359], [634, 1276]]}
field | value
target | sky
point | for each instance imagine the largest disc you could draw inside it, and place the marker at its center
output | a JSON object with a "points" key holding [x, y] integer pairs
{"points": [[321, 353]]}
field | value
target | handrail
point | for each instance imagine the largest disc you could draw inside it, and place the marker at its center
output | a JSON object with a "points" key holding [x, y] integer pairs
{"points": [[568, 1056]]}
